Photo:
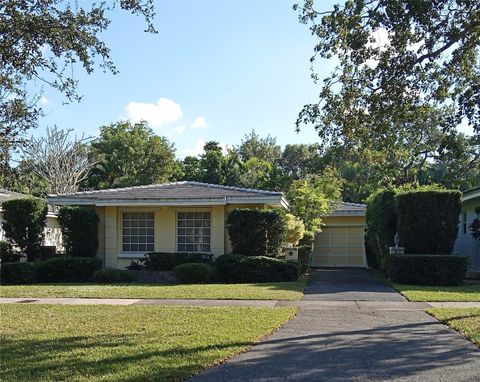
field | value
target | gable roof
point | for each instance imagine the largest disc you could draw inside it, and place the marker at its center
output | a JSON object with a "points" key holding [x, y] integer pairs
{"points": [[184, 193], [348, 209]]}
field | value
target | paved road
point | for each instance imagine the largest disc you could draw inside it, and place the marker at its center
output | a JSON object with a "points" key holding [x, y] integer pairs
{"points": [[353, 345]]}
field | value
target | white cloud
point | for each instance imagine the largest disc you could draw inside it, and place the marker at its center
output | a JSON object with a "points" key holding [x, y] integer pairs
{"points": [[199, 123], [43, 100], [179, 129], [197, 150], [156, 114]]}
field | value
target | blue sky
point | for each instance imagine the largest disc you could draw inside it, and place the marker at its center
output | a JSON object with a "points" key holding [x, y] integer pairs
{"points": [[222, 69]]}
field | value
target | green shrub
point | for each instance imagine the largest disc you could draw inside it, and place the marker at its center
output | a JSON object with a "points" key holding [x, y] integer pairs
{"points": [[18, 273], [166, 261], [79, 231], [23, 222], [194, 273], [235, 268], [68, 269], [308, 239], [426, 269], [7, 255], [107, 276], [427, 220], [304, 252], [382, 225], [256, 232]]}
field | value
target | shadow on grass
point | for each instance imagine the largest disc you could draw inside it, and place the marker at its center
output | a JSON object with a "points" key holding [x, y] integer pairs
{"points": [[115, 358]]}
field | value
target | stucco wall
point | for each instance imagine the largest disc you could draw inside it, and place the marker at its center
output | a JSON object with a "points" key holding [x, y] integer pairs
{"points": [[465, 245]]}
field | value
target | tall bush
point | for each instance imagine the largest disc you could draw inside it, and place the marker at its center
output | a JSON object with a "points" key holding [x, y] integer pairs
{"points": [[382, 225], [24, 222], [79, 231], [256, 232], [427, 220]]}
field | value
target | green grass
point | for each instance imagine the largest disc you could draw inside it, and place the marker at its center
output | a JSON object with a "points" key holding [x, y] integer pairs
{"points": [[464, 320], [466, 292], [125, 343], [267, 291]]}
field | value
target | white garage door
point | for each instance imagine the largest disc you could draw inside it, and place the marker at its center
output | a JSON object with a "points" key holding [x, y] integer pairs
{"points": [[341, 246]]}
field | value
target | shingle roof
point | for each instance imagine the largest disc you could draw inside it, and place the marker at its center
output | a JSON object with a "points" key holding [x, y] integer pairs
{"points": [[345, 208], [6, 194], [186, 190]]}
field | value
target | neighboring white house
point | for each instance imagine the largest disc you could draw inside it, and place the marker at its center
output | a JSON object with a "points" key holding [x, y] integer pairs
{"points": [[52, 232], [465, 244]]}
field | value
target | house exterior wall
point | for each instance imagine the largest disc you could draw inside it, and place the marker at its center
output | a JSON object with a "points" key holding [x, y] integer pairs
{"points": [[165, 231], [465, 245], [340, 243]]}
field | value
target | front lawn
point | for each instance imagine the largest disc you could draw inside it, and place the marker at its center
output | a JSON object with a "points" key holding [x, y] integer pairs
{"points": [[464, 320], [467, 292], [125, 343], [263, 291]]}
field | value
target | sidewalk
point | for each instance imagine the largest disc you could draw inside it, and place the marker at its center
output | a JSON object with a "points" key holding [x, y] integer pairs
{"points": [[305, 304]]}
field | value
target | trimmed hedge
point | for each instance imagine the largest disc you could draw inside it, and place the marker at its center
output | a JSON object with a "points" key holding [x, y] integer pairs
{"points": [[426, 269], [68, 269], [7, 255], [235, 268], [18, 273], [194, 273], [427, 221], [166, 261], [79, 231], [23, 222], [257, 232], [304, 252], [382, 225], [107, 276]]}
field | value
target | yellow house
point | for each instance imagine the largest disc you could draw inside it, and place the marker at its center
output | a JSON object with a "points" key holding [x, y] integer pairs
{"points": [[171, 217], [341, 242]]}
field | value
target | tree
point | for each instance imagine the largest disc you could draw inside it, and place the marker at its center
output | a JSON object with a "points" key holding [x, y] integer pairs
{"points": [[295, 229], [45, 41], [252, 146], [212, 163], [398, 61], [61, 162], [299, 160], [257, 173], [23, 222], [312, 197], [129, 154]]}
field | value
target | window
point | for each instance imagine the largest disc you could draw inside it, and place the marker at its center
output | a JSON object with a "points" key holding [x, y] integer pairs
{"points": [[193, 231], [138, 231], [464, 223]]}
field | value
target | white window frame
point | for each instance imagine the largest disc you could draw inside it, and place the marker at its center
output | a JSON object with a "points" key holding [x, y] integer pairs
{"points": [[177, 228], [149, 245]]}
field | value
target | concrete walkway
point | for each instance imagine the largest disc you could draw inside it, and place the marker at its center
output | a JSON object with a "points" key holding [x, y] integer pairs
{"points": [[369, 344]]}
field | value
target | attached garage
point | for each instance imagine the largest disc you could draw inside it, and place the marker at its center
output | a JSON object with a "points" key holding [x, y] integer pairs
{"points": [[341, 242]]}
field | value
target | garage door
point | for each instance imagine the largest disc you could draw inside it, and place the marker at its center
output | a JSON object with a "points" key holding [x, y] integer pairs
{"points": [[339, 247]]}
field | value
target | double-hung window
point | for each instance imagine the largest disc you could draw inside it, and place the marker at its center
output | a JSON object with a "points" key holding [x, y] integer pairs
{"points": [[138, 231], [193, 232]]}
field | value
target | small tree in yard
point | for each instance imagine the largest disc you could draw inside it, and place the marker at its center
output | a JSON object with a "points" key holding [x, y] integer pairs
{"points": [[256, 232], [295, 229], [79, 231], [23, 222]]}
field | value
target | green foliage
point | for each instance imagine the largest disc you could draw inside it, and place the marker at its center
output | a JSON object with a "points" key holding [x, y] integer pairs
{"points": [[382, 225], [256, 232], [427, 220], [475, 229], [304, 253], [235, 268], [308, 239], [312, 197], [109, 276], [129, 154], [253, 146], [68, 269], [426, 269], [7, 255], [66, 37], [18, 273], [79, 231], [295, 229], [395, 60], [166, 261], [194, 273], [23, 222]]}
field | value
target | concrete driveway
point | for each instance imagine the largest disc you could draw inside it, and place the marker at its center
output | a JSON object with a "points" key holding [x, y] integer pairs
{"points": [[353, 345]]}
